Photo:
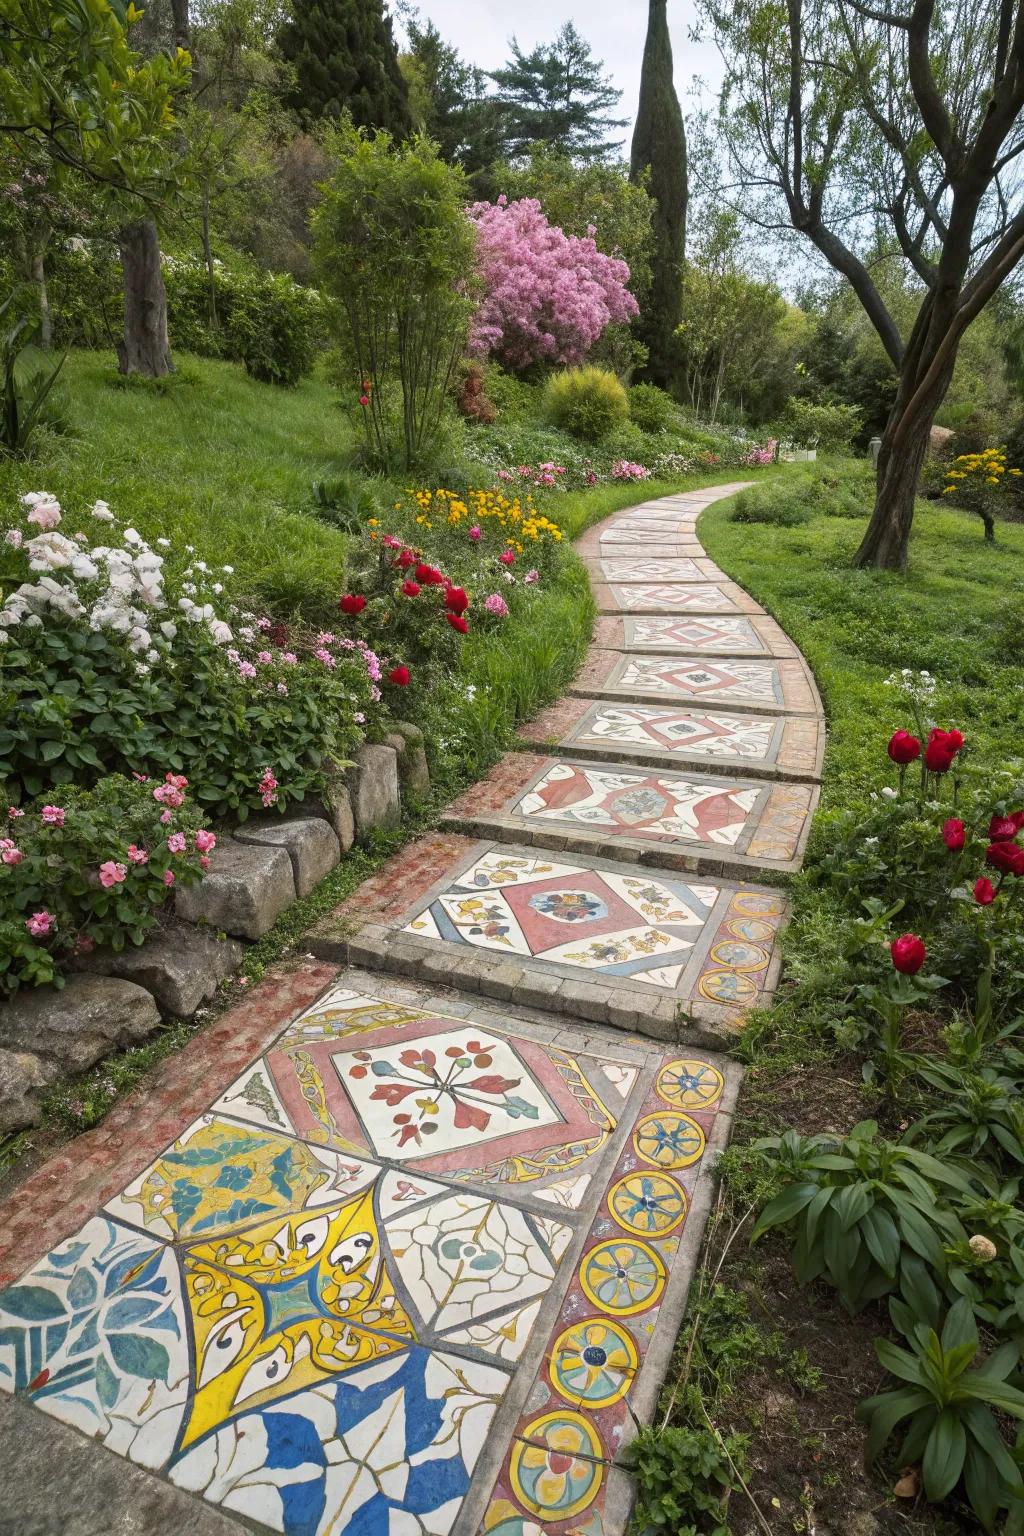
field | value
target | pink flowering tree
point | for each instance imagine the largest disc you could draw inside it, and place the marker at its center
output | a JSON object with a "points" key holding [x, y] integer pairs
{"points": [[548, 296]]}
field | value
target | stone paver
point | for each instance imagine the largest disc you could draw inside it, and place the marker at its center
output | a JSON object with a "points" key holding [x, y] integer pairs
{"points": [[405, 1249]]}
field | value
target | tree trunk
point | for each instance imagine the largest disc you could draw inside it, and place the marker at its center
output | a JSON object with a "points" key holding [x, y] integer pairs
{"points": [[45, 317], [904, 445], [211, 273], [145, 348]]}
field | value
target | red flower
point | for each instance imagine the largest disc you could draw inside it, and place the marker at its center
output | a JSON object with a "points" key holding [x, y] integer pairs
{"points": [[429, 575], [942, 747], [399, 676], [1002, 829], [411, 588], [1017, 817], [903, 748], [457, 599], [277, 634], [954, 834], [458, 622], [984, 892], [367, 386], [352, 604], [405, 559], [908, 954], [1008, 858], [507, 557], [364, 401]]}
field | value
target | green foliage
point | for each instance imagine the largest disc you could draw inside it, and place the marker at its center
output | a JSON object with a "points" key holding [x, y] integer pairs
{"points": [[684, 1479], [762, 505], [558, 95], [57, 875], [951, 1394], [652, 409], [586, 402], [658, 160], [394, 246], [449, 102], [24, 386], [347, 501], [345, 63], [829, 427]]}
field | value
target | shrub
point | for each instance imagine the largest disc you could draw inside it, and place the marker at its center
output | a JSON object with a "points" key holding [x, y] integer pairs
{"points": [[588, 402], [684, 1478], [109, 663], [829, 427], [982, 483], [652, 409], [24, 386], [395, 248], [272, 326], [548, 296], [760, 506], [345, 500], [93, 867]]}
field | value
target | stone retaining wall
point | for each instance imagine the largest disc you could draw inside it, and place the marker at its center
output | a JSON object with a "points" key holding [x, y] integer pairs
{"points": [[117, 999]]}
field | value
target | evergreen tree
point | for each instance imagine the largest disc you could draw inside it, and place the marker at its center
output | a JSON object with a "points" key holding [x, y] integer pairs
{"points": [[659, 153], [558, 95], [344, 58], [450, 102]]}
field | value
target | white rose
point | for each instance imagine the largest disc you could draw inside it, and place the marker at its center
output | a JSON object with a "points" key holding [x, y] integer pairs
{"points": [[220, 631], [168, 629]]}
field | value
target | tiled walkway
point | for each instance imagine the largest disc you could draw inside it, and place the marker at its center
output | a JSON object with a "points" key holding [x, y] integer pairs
{"points": [[403, 1250]]}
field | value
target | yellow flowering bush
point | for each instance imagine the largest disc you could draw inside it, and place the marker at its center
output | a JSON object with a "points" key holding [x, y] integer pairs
{"points": [[982, 483], [483, 522]]}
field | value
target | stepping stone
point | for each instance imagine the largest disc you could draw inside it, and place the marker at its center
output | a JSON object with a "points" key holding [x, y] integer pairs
{"points": [[581, 934], [769, 746], [655, 567], [696, 821], [673, 597], [765, 684], [716, 634]]}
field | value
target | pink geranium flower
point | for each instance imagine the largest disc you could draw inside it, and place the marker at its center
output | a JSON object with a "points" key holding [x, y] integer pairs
{"points": [[168, 877], [507, 557], [112, 873], [176, 842], [11, 855], [170, 795], [137, 855], [205, 841], [40, 924], [52, 815], [497, 605]]}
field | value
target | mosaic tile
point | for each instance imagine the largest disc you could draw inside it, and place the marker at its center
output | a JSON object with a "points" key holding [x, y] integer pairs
{"points": [[663, 807], [753, 682], [718, 633], [654, 568], [744, 738], [599, 922], [697, 598]]}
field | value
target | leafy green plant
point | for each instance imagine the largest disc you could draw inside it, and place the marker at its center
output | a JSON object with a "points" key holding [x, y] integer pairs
{"points": [[829, 427], [586, 402], [978, 1112], [684, 1479], [347, 501], [24, 387], [652, 409], [951, 1396], [857, 1203]]}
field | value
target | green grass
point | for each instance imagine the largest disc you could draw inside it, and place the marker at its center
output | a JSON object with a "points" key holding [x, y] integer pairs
{"points": [[958, 613], [214, 459]]}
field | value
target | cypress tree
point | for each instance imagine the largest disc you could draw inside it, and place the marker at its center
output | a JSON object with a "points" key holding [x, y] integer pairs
{"points": [[659, 151], [345, 58]]}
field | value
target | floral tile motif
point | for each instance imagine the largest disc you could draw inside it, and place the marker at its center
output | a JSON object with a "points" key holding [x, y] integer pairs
{"points": [[662, 807], [717, 633], [699, 597], [754, 682], [614, 924], [748, 738]]}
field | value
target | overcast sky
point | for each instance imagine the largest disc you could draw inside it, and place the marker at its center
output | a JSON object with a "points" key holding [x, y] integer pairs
{"points": [[480, 30]]}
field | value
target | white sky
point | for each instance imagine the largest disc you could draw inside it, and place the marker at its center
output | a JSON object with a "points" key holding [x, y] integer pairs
{"points": [[480, 30]]}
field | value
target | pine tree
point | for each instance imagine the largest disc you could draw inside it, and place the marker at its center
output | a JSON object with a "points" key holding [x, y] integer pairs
{"points": [[451, 102], [558, 95], [344, 57], [659, 153]]}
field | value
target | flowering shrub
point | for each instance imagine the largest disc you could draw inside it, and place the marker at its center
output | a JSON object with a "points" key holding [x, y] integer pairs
{"points": [[622, 469], [84, 868], [982, 483], [111, 662], [547, 295]]}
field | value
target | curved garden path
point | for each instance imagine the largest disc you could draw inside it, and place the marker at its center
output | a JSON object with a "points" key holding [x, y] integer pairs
{"points": [[403, 1248]]}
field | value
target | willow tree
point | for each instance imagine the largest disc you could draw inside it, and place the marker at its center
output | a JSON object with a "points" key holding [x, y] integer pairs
{"points": [[867, 127]]}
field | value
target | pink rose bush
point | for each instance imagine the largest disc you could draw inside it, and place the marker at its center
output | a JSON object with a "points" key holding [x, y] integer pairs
{"points": [[548, 296], [96, 874]]}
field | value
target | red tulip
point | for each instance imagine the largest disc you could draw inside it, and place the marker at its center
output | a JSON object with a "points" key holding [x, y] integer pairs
{"points": [[352, 604], [399, 676], [1008, 858], [457, 599], [903, 748], [908, 954], [411, 588], [984, 892], [954, 834], [458, 622], [942, 748]]}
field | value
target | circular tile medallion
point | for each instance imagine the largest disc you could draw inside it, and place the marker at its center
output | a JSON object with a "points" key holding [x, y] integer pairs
{"points": [[549, 1471], [593, 1362], [623, 1276], [690, 1084], [648, 1204], [669, 1140]]}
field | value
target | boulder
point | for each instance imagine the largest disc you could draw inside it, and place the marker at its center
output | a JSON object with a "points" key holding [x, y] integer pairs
{"points": [[373, 787], [22, 1080], [309, 842], [334, 807], [73, 1026], [244, 892], [181, 965], [413, 771]]}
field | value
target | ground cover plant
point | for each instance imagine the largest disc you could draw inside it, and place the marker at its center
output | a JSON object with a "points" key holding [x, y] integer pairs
{"points": [[878, 1145]]}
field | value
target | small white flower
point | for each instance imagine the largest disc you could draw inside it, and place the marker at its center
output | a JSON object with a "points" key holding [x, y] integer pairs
{"points": [[168, 629], [218, 587], [153, 655], [132, 536], [888, 794], [14, 537], [228, 570], [201, 565], [83, 569], [142, 669], [220, 631], [164, 543]]}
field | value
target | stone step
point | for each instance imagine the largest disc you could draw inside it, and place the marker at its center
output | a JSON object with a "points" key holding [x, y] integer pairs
{"points": [[709, 636], [672, 597], [701, 823], [654, 565], [668, 736], [766, 684], [586, 938]]}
